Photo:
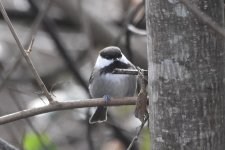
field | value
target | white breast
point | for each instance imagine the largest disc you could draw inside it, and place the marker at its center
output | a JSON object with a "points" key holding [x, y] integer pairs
{"points": [[114, 85]]}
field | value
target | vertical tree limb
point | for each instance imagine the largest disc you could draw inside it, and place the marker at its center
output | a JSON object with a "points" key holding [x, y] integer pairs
{"points": [[186, 71]]}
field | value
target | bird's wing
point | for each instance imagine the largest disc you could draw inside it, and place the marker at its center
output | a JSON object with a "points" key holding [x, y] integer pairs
{"points": [[91, 77]]}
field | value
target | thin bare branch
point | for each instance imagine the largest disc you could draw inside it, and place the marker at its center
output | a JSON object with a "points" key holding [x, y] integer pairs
{"points": [[34, 28], [138, 133], [23, 51], [203, 17], [28, 51], [128, 71], [66, 105]]}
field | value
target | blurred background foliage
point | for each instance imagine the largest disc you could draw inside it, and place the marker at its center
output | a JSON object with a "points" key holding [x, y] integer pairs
{"points": [[33, 142], [68, 35]]}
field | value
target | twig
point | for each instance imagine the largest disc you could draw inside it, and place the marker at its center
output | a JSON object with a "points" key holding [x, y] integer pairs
{"points": [[6, 146], [23, 51], [34, 28], [203, 17], [65, 105], [119, 132], [128, 71], [141, 111], [141, 106], [38, 20], [28, 51], [138, 133]]}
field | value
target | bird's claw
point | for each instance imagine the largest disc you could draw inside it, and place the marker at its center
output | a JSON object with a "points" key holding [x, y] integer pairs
{"points": [[106, 98]]}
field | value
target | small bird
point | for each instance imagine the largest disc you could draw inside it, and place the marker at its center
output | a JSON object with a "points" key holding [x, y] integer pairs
{"points": [[103, 83]]}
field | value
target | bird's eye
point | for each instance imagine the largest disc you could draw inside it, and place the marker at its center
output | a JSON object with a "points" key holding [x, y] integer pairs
{"points": [[107, 57]]}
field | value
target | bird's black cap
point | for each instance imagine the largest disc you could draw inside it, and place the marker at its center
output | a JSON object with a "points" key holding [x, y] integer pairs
{"points": [[111, 52]]}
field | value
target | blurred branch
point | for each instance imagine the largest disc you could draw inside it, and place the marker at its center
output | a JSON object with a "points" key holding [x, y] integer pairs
{"points": [[38, 19], [28, 16], [136, 30], [105, 34], [12, 69], [138, 133], [89, 131], [127, 30], [203, 17], [51, 30], [23, 51], [130, 17], [64, 106], [128, 45], [120, 133], [6, 146], [13, 136], [28, 121]]}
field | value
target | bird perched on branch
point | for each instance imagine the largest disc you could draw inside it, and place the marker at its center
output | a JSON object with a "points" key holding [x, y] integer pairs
{"points": [[103, 83]]}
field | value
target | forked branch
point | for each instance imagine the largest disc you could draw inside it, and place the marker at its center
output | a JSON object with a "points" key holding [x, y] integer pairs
{"points": [[25, 54]]}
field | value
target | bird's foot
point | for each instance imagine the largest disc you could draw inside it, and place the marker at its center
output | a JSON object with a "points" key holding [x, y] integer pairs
{"points": [[106, 98]]}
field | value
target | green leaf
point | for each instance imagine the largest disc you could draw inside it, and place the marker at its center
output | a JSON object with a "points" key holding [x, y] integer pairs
{"points": [[33, 142]]}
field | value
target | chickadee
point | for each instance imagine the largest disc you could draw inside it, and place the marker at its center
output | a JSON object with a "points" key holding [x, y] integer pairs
{"points": [[103, 83]]}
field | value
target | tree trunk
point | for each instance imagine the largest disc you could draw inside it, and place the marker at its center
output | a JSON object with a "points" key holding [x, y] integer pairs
{"points": [[186, 70]]}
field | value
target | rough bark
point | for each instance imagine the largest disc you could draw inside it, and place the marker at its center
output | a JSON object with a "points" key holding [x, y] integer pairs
{"points": [[186, 70]]}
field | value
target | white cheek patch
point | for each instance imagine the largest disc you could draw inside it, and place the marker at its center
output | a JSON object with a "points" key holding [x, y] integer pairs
{"points": [[101, 62]]}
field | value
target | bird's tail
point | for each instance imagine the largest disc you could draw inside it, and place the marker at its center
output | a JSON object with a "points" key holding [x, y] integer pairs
{"points": [[100, 115]]}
